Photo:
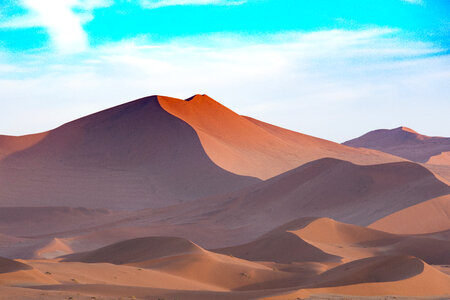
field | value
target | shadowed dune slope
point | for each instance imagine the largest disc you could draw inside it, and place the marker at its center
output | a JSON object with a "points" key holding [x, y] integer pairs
{"points": [[372, 269], [280, 247], [137, 250], [25, 221], [426, 217], [9, 265], [131, 156], [246, 146], [403, 142], [332, 188], [325, 230]]}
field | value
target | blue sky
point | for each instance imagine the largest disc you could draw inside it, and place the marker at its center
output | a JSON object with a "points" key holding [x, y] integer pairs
{"points": [[333, 69]]}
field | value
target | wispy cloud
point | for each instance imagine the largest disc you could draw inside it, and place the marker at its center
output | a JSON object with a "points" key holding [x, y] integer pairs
{"points": [[161, 3], [63, 23], [336, 78]]}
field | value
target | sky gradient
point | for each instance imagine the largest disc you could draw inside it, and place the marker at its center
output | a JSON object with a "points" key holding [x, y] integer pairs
{"points": [[333, 69]]}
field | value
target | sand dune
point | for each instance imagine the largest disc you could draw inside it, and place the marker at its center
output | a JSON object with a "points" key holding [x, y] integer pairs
{"points": [[273, 247], [9, 265], [426, 217], [137, 250], [55, 248], [117, 204], [250, 147], [15, 273], [403, 142], [440, 159], [377, 276], [131, 156], [331, 188], [12, 144], [372, 269], [325, 240], [153, 152], [71, 273], [27, 221], [326, 230], [367, 192], [184, 259], [155, 266], [354, 242]]}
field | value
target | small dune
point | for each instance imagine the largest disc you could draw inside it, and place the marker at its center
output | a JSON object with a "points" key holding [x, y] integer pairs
{"points": [[378, 276], [9, 265], [426, 217]]}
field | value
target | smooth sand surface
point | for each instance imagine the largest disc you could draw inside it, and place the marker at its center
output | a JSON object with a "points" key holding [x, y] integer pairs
{"points": [[426, 217], [246, 146], [442, 158]]}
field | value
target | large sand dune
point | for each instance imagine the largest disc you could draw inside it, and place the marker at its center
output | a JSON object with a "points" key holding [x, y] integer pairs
{"points": [[154, 152], [131, 156], [246, 146]]}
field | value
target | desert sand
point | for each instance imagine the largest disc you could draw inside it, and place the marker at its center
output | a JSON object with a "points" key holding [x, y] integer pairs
{"points": [[163, 198]]}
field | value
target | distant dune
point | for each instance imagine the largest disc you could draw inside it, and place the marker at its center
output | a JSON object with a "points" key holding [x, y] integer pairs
{"points": [[403, 142]]}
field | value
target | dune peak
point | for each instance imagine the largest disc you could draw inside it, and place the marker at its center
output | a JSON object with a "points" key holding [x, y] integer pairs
{"points": [[406, 129], [198, 97]]}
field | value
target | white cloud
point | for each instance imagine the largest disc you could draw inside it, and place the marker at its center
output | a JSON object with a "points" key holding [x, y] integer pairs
{"points": [[333, 84], [63, 24], [161, 3]]}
